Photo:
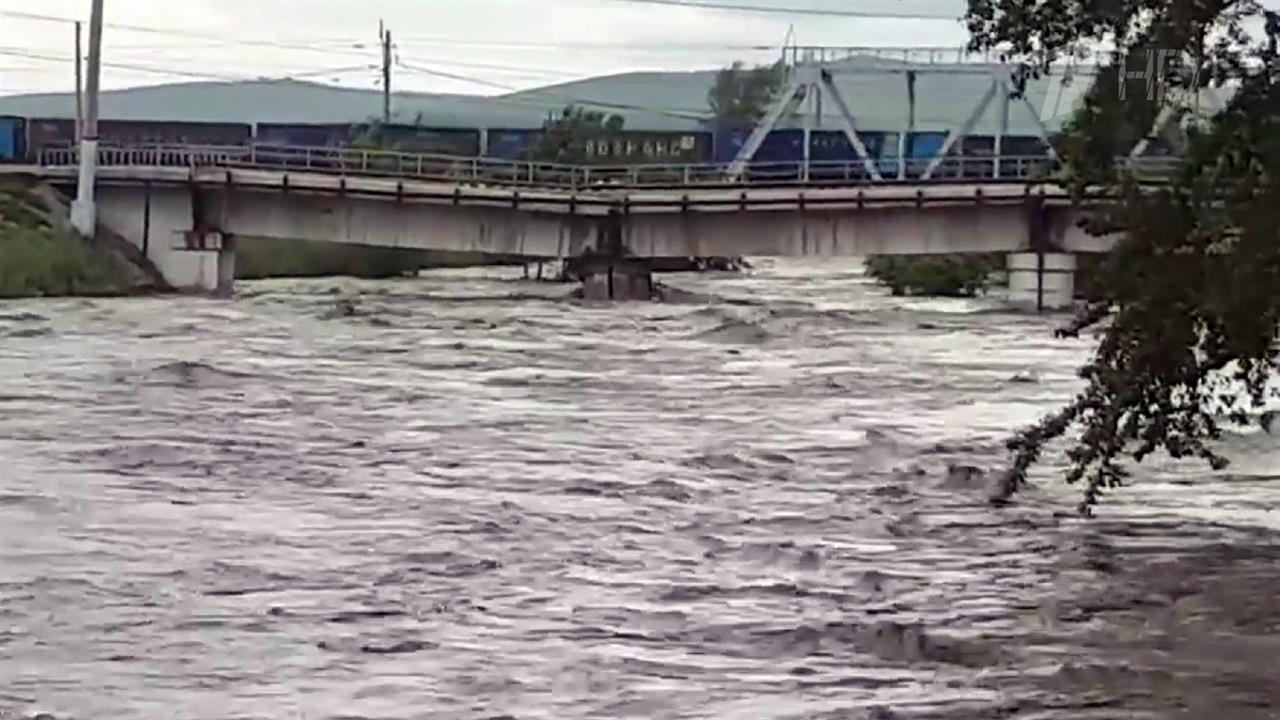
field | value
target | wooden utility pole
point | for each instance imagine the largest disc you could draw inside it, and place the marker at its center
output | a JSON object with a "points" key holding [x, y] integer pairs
{"points": [[79, 85], [384, 34], [84, 215]]}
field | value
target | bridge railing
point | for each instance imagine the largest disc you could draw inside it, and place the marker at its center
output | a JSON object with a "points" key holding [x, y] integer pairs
{"points": [[494, 171]]}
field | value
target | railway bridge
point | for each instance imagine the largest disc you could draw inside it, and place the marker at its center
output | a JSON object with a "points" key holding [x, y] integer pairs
{"points": [[189, 207]]}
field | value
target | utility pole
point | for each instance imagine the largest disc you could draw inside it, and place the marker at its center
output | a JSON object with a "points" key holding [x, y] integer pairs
{"points": [[79, 85], [84, 214], [384, 35]]}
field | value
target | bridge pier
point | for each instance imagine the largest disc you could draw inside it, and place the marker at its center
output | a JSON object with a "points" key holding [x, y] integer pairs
{"points": [[612, 278], [161, 222], [1041, 281]]}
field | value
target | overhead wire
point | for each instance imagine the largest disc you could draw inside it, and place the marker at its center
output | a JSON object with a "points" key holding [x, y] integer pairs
{"points": [[775, 10], [522, 96], [21, 53], [175, 72]]}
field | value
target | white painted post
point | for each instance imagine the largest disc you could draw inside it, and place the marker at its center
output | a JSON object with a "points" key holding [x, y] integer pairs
{"points": [[84, 212]]}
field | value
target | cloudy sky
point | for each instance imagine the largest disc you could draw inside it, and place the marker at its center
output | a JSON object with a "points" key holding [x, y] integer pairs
{"points": [[469, 46]]}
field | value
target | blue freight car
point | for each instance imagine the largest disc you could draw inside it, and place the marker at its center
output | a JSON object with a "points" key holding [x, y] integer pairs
{"points": [[1022, 155], [61, 132], [510, 144], [922, 148], [832, 156], [13, 139], [459, 142], [643, 147], [463, 142], [778, 159], [780, 156], [319, 135]]}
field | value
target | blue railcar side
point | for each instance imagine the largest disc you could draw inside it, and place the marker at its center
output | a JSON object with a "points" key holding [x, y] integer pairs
{"points": [[306, 134], [461, 142], [510, 144], [832, 155], [13, 139]]}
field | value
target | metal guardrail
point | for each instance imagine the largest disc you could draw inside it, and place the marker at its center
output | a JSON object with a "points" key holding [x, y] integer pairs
{"points": [[492, 171]]}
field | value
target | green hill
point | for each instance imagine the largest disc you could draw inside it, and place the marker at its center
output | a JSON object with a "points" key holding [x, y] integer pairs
{"points": [[875, 89]]}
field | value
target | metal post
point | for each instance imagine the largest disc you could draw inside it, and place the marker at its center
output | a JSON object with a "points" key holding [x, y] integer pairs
{"points": [[998, 147], [904, 136], [385, 35], [84, 215], [79, 85], [807, 135]]}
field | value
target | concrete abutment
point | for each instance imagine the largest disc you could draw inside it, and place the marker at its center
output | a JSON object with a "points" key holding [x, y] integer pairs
{"points": [[161, 222]]}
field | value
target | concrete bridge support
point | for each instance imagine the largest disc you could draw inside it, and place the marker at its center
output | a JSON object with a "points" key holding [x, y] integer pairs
{"points": [[162, 222], [1041, 281]]}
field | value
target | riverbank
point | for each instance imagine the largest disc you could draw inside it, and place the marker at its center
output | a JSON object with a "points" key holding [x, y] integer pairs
{"points": [[41, 255]]}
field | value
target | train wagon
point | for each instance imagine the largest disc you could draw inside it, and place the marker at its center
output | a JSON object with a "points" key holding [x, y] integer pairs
{"points": [[832, 156], [510, 143], [464, 142], [459, 142], [317, 135], [13, 139], [778, 159], [61, 132], [922, 148], [1023, 156], [640, 147], [780, 156], [311, 145]]}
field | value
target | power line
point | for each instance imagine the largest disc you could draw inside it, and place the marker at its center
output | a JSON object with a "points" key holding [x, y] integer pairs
{"points": [[175, 32], [517, 69], [774, 10], [681, 113], [18, 53], [172, 72], [661, 47]]}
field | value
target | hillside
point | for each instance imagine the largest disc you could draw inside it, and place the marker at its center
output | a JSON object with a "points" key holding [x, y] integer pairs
{"points": [[875, 89]]}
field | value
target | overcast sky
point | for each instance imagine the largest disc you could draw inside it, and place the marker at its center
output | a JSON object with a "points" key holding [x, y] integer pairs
{"points": [[494, 44]]}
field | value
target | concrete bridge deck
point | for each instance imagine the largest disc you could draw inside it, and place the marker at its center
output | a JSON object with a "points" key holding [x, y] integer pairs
{"points": [[188, 208]]}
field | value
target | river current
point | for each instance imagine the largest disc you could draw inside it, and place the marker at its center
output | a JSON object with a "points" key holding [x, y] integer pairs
{"points": [[467, 496]]}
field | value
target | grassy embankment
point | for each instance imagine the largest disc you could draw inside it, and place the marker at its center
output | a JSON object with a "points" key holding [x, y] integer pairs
{"points": [[41, 256]]}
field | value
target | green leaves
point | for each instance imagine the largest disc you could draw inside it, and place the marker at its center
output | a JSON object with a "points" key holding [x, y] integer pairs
{"points": [[741, 95], [37, 259], [1188, 302], [567, 138], [935, 275]]}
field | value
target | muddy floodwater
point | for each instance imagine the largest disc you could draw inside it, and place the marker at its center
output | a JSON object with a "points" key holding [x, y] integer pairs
{"points": [[466, 496]]}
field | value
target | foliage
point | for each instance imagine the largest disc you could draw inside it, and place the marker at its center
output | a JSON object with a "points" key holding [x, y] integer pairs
{"points": [[741, 95], [373, 135], [1190, 298], [565, 138], [935, 275], [38, 259]]}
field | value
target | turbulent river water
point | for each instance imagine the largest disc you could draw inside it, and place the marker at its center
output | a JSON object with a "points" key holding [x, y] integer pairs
{"points": [[467, 496]]}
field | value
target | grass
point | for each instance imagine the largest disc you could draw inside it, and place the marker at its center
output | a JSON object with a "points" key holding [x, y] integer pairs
{"points": [[40, 259]]}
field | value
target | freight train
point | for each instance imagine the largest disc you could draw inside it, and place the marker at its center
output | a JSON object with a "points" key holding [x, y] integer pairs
{"points": [[779, 157]]}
